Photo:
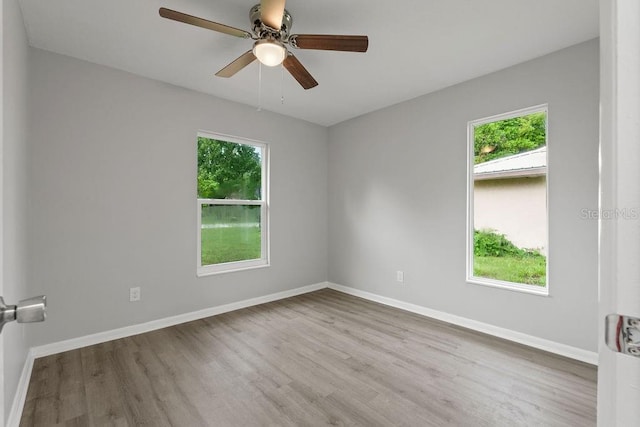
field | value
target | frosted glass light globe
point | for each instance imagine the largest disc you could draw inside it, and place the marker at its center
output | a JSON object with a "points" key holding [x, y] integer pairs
{"points": [[269, 52]]}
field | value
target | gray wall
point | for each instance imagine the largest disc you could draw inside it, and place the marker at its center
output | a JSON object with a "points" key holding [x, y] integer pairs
{"points": [[113, 200], [15, 53], [397, 198]]}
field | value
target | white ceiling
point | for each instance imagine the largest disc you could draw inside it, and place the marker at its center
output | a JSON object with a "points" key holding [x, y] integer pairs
{"points": [[415, 46]]}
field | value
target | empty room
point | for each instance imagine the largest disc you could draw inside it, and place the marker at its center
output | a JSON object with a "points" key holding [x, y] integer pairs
{"points": [[223, 213]]}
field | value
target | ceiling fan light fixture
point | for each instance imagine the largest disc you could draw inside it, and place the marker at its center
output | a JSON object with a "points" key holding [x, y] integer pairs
{"points": [[269, 52], [270, 29]]}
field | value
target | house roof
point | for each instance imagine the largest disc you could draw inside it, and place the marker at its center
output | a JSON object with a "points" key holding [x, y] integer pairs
{"points": [[527, 164]]}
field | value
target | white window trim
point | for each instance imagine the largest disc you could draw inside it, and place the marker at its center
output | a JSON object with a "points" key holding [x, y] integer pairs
{"points": [[471, 279], [264, 260]]}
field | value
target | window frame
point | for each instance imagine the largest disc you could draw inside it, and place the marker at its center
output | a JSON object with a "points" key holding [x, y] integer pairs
{"points": [[264, 260], [484, 281]]}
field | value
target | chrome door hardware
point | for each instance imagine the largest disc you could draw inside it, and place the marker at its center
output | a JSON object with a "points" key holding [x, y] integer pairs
{"points": [[27, 311], [623, 334]]}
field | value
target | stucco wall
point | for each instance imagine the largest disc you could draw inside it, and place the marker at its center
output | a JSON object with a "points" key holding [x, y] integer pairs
{"points": [[515, 207]]}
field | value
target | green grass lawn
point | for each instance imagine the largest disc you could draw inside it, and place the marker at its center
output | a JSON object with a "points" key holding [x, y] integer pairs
{"points": [[230, 244], [531, 270]]}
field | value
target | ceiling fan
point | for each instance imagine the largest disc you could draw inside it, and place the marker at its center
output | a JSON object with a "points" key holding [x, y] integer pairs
{"points": [[271, 24]]}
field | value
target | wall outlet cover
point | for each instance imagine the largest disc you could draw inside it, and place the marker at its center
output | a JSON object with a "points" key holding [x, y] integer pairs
{"points": [[134, 294]]}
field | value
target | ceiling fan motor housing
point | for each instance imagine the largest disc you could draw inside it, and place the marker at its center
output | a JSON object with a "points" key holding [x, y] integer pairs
{"points": [[260, 28]]}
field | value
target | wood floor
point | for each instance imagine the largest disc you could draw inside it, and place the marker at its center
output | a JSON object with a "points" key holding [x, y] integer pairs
{"points": [[316, 359]]}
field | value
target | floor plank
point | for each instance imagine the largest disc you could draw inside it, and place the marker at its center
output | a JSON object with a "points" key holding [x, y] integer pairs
{"points": [[316, 359]]}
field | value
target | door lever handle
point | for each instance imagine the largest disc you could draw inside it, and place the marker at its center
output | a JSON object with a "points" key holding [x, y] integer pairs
{"points": [[26, 311]]}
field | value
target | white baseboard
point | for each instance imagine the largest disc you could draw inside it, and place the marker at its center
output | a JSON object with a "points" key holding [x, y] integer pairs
{"points": [[529, 340], [21, 392], [127, 331]]}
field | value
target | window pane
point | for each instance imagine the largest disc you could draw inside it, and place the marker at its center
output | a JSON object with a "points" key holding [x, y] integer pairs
{"points": [[510, 200], [227, 170], [230, 233]]}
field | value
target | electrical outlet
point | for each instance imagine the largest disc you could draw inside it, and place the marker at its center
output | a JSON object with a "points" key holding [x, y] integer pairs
{"points": [[134, 294], [400, 276]]}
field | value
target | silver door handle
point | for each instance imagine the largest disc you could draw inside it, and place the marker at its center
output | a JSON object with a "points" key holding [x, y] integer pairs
{"points": [[26, 311]]}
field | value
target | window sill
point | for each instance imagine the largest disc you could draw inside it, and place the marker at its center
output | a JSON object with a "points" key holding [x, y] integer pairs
{"points": [[515, 287], [231, 267]]}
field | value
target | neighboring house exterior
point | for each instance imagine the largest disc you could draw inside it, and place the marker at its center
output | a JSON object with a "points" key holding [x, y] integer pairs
{"points": [[510, 197]]}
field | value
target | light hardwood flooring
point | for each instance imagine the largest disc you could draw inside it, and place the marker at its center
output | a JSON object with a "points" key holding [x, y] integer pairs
{"points": [[316, 359]]}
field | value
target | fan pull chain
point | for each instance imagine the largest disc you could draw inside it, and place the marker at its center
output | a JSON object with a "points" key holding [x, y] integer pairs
{"points": [[260, 87], [282, 83]]}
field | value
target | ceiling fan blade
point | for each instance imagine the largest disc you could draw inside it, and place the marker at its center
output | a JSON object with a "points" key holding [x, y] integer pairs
{"points": [[272, 12], [245, 59], [330, 42], [298, 72], [203, 23]]}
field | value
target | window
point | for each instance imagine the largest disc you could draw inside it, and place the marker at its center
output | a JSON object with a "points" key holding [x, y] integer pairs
{"points": [[507, 235], [232, 204]]}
